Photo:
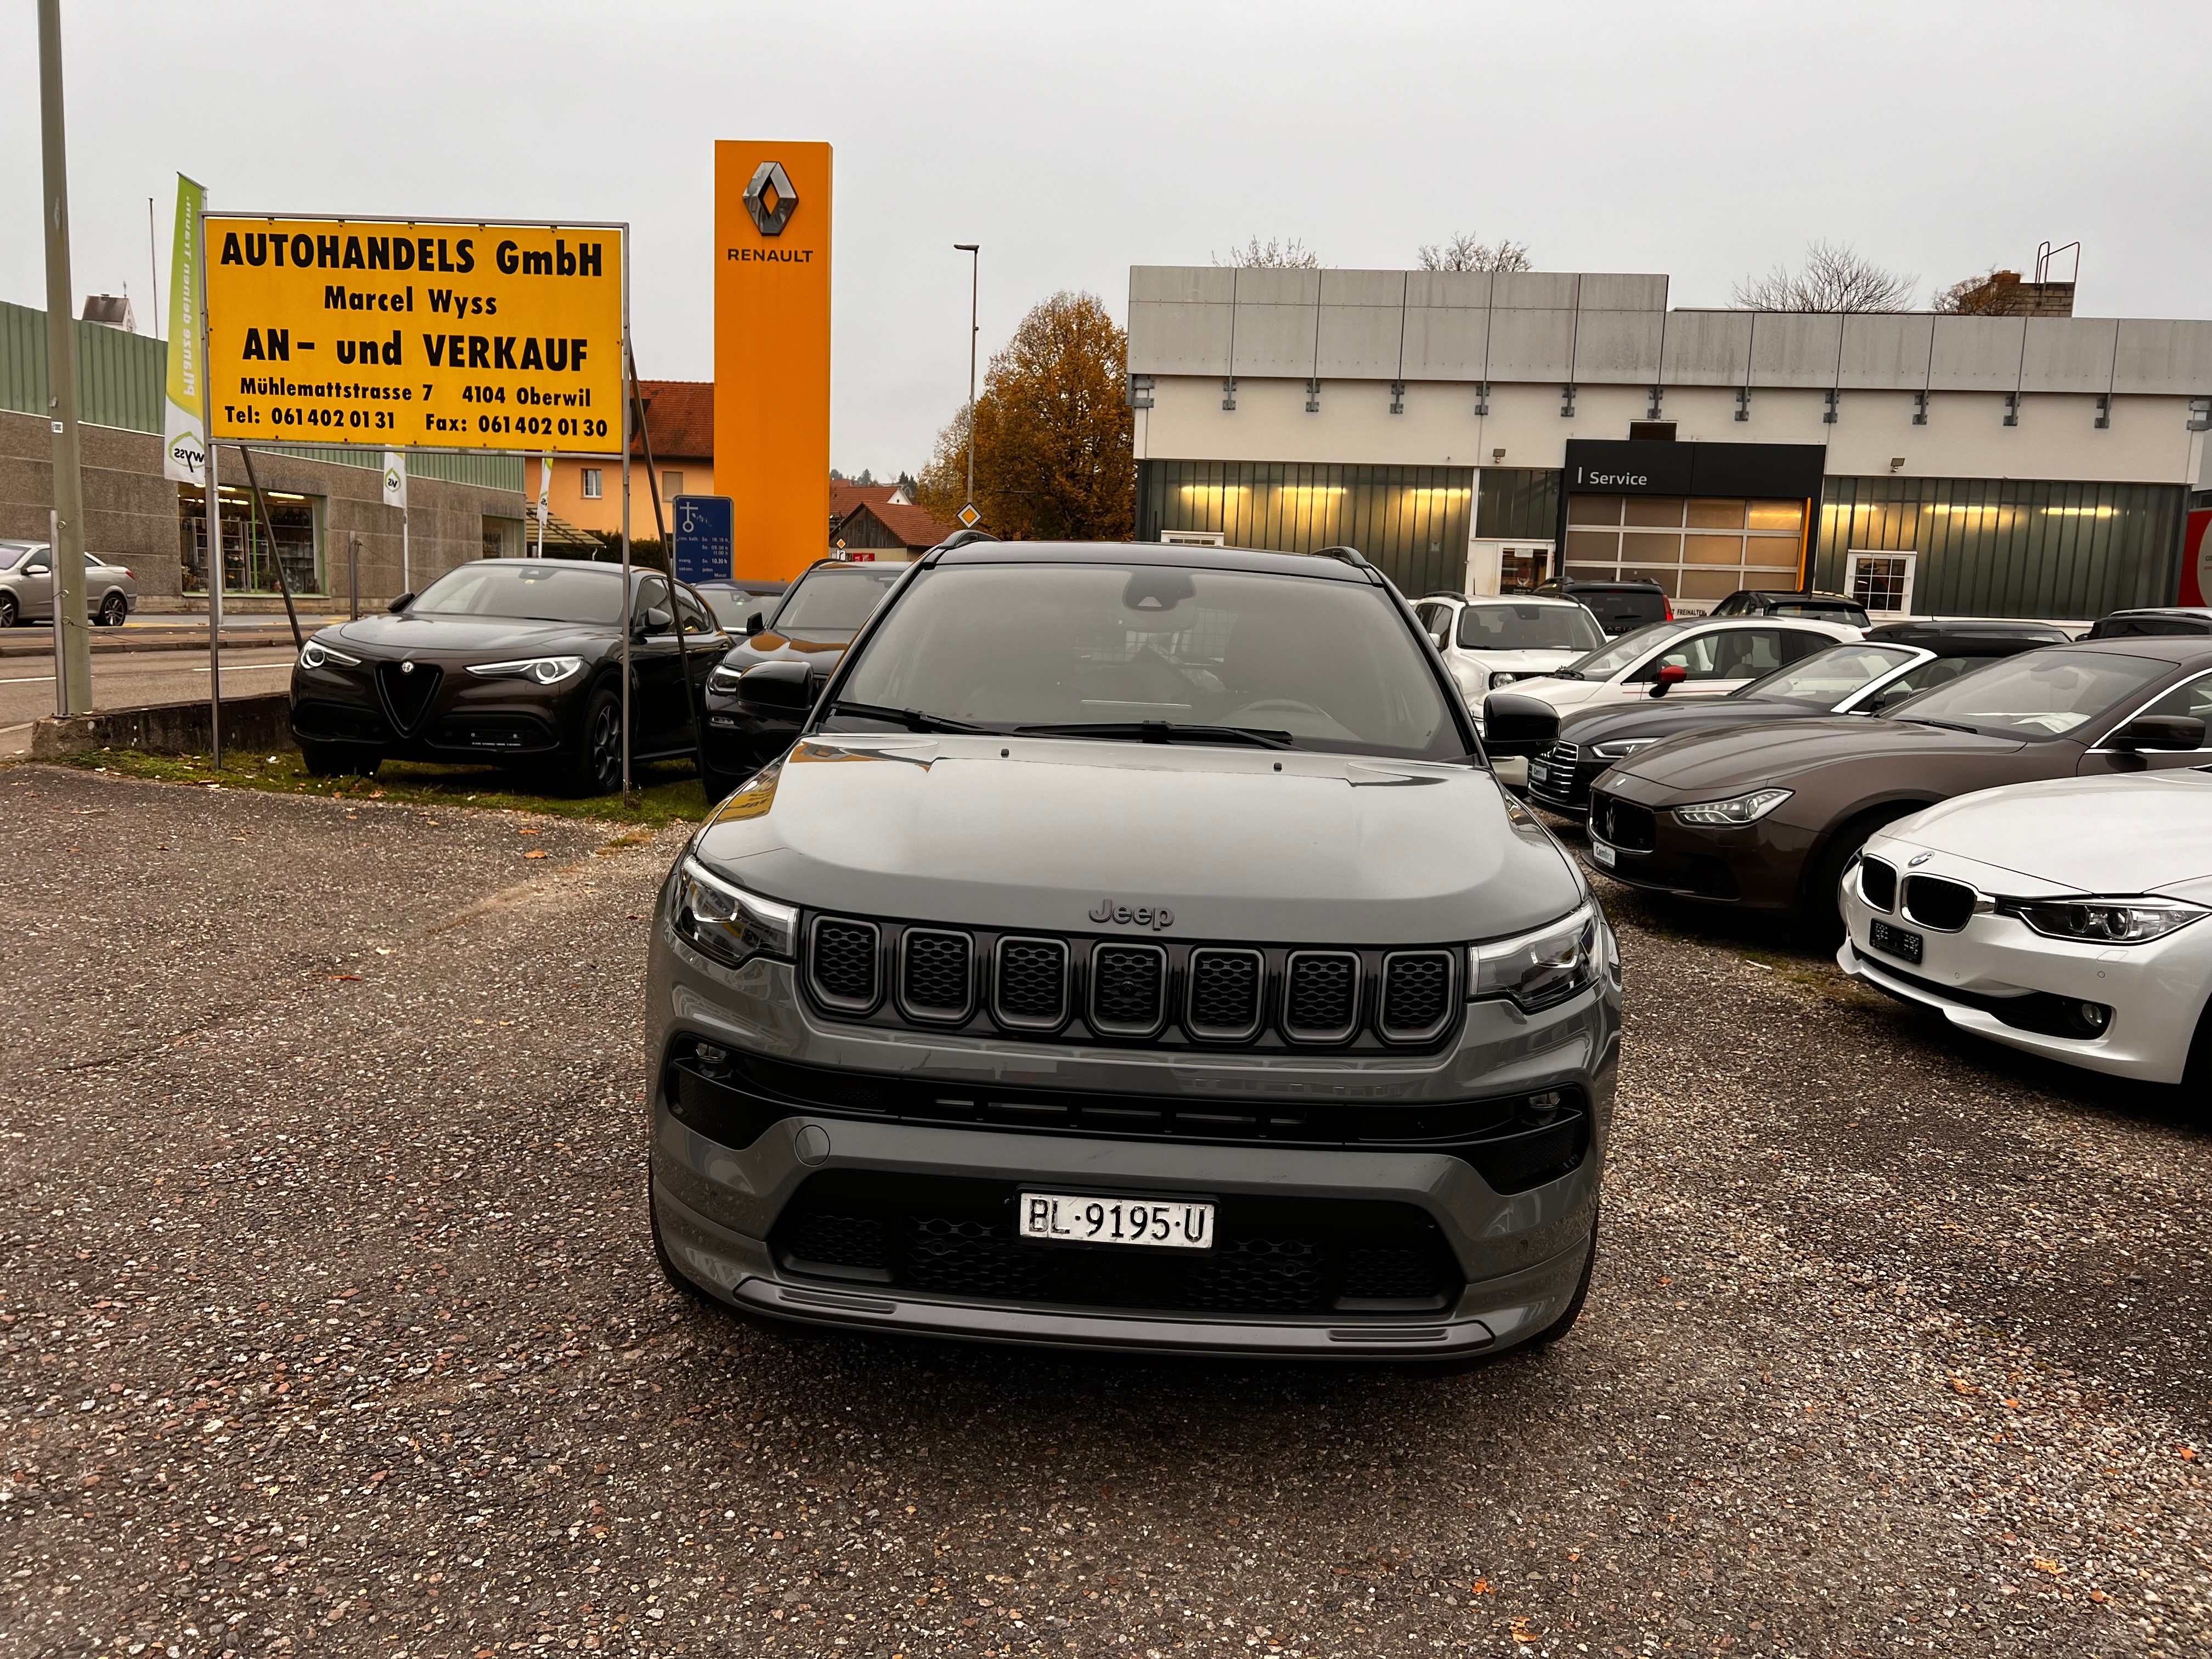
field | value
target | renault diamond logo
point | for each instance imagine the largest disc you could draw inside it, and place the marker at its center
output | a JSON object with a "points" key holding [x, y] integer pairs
{"points": [[770, 180]]}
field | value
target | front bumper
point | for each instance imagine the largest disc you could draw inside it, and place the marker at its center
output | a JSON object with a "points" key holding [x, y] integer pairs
{"points": [[1752, 867], [726, 1213], [1998, 972], [466, 718]]}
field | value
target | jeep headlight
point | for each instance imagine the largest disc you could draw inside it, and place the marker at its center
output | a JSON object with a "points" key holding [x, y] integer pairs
{"points": [[725, 922], [2106, 920], [1735, 810], [545, 671], [1541, 967]]}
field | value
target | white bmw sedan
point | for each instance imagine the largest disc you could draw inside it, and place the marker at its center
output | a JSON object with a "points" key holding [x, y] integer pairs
{"points": [[2066, 917]]}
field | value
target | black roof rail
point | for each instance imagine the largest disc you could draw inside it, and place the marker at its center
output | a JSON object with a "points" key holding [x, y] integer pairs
{"points": [[958, 538]]}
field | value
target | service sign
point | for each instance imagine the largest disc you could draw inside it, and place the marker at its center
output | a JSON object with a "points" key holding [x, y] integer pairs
{"points": [[416, 334]]}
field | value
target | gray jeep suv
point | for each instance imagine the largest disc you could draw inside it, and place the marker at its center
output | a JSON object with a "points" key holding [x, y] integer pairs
{"points": [[1135, 951]]}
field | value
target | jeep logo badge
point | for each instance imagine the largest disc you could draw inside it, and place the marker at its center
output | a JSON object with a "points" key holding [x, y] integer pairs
{"points": [[1139, 915]]}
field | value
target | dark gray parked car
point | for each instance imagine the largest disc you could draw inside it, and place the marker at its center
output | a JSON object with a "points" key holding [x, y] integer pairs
{"points": [[1135, 952]]}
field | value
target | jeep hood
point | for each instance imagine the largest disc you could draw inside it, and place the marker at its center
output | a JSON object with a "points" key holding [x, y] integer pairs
{"points": [[1037, 833]]}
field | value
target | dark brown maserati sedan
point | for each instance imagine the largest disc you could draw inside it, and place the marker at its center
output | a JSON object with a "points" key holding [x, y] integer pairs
{"points": [[1765, 817]]}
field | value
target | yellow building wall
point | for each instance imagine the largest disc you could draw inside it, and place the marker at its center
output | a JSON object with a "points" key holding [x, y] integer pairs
{"points": [[568, 501]]}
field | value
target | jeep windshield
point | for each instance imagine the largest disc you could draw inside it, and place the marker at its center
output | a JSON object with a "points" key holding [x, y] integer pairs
{"points": [[1146, 652]]}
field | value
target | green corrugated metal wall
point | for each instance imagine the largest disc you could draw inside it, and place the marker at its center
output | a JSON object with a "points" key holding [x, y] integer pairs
{"points": [[120, 378]]}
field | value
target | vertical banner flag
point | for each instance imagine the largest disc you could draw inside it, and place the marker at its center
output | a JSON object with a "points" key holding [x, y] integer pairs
{"points": [[395, 478], [544, 494], [183, 433]]}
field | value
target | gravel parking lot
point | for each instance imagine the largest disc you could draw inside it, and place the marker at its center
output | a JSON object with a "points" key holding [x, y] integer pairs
{"points": [[331, 1326]]}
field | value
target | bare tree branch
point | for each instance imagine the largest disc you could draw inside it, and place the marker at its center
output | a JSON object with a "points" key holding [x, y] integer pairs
{"points": [[1467, 252], [1836, 277], [1270, 255]]}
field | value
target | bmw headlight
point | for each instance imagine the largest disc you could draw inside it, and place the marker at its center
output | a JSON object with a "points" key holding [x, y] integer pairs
{"points": [[725, 922], [546, 670], [315, 654], [2105, 920], [1542, 968], [1737, 809], [1621, 748]]}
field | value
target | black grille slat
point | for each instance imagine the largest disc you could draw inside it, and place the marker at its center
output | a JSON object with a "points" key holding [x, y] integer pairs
{"points": [[1032, 982], [845, 965], [1878, 882], [1939, 902], [1321, 1000], [1128, 987], [408, 692], [1417, 986], [936, 974], [840, 1241], [1257, 1275], [1225, 993], [1393, 1272]]}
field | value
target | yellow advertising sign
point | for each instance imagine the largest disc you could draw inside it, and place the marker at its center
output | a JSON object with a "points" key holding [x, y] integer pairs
{"points": [[416, 333]]}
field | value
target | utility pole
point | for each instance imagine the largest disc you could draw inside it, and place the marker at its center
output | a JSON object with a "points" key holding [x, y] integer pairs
{"points": [[73, 643], [974, 251]]}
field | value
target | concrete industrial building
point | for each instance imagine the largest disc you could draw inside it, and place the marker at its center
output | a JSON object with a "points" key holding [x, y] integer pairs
{"points": [[327, 521], [1474, 432]]}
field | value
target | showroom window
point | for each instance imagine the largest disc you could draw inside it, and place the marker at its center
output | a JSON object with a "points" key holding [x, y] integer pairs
{"points": [[1701, 550], [250, 548], [594, 483]]}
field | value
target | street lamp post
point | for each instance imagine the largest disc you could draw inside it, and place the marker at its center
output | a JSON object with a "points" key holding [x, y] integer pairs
{"points": [[974, 251]]}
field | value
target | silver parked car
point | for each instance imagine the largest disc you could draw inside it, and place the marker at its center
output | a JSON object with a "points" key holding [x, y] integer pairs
{"points": [[1133, 951], [27, 587]]}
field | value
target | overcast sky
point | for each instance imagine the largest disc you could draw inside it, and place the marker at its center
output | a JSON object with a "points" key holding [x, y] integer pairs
{"points": [[1704, 140]]}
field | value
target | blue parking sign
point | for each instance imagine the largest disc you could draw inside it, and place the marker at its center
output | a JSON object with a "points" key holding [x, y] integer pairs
{"points": [[704, 532]]}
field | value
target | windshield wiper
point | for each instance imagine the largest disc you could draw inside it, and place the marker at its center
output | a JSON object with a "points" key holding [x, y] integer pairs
{"points": [[914, 719], [1161, 731], [1948, 725], [1557, 674]]}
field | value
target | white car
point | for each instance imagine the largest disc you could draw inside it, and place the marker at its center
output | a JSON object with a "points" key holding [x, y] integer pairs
{"points": [[1690, 657], [2066, 917], [1489, 642]]}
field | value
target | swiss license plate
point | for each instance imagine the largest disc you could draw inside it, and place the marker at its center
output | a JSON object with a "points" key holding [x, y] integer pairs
{"points": [[1539, 773], [1603, 853], [1089, 1218], [1899, 942]]}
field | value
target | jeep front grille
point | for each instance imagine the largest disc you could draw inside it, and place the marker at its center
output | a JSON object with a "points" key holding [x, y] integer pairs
{"points": [[1128, 988], [1032, 982], [1158, 991], [1320, 1000], [1417, 994], [844, 963], [936, 974], [1225, 994]]}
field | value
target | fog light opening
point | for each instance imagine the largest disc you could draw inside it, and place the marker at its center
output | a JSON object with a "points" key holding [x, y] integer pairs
{"points": [[2094, 1015], [1539, 1109]]}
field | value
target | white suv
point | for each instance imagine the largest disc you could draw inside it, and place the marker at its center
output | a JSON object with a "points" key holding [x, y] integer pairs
{"points": [[1491, 642]]}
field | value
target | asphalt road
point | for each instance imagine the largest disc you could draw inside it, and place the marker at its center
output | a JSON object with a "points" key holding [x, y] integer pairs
{"points": [[122, 680], [329, 1325]]}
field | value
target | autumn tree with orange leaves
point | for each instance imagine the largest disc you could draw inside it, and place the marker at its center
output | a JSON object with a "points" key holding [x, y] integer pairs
{"points": [[1053, 450]]}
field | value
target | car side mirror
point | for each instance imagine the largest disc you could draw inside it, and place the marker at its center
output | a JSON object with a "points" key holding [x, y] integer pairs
{"points": [[781, 688], [755, 624], [1513, 724], [2158, 732], [400, 604], [1672, 674], [653, 620]]}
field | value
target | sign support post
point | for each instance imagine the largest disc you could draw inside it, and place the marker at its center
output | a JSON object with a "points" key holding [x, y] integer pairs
{"points": [[630, 397], [72, 646], [213, 519]]}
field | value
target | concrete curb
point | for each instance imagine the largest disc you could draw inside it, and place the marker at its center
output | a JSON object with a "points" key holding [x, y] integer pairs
{"points": [[261, 722]]}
